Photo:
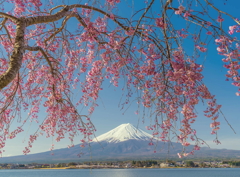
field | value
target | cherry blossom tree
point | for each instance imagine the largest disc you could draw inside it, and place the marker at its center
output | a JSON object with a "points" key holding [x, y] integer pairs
{"points": [[52, 50]]}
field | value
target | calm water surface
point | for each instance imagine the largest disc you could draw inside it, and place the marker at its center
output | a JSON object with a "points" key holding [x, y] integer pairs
{"points": [[197, 172]]}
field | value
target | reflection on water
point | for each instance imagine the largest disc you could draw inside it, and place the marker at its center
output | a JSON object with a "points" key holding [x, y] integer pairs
{"points": [[188, 172]]}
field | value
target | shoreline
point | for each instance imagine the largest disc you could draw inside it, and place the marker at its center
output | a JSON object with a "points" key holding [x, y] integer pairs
{"points": [[72, 168]]}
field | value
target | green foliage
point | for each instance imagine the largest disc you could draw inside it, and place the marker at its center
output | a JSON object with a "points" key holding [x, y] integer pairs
{"points": [[144, 163], [233, 163], [190, 164], [202, 164], [72, 164]]}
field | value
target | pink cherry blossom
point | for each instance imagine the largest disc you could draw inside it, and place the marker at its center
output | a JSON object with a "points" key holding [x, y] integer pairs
{"points": [[220, 19], [65, 64]]}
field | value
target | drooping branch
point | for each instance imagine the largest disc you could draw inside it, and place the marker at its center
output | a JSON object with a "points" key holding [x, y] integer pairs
{"points": [[144, 50], [37, 48], [45, 55], [18, 49], [91, 8], [58, 30], [22, 23], [210, 4]]}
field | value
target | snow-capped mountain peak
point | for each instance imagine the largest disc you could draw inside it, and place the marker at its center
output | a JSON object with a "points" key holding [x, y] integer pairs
{"points": [[123, 132]]}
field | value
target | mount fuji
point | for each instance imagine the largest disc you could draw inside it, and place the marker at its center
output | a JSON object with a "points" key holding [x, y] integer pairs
{"points": [[124, 142], [123, 133]]}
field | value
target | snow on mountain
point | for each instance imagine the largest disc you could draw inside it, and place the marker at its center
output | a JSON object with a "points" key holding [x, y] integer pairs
{"points": [[123, 142], [122, 133]]}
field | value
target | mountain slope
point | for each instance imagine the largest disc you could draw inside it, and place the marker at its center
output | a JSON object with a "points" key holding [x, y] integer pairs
{"points": [[122, 133], [123, 142]]}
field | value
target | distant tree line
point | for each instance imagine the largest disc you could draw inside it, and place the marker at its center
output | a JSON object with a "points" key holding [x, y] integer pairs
{"points": [[233, 163], [146, 163]]}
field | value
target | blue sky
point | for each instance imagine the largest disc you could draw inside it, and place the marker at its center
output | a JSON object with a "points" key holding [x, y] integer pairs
{"points": [[109, 114]]}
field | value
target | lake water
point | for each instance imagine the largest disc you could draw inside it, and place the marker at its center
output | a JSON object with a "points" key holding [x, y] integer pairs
{"points": [[196, 172]]}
